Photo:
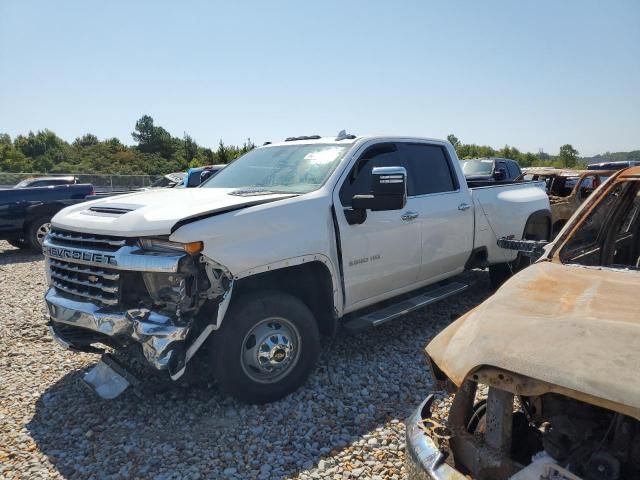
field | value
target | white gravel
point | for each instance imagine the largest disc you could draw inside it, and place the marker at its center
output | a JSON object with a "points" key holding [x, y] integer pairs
{"points": [[345, 422]]}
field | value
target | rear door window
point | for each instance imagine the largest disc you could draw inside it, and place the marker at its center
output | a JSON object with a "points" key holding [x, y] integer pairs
{"points": [[430, 168]]}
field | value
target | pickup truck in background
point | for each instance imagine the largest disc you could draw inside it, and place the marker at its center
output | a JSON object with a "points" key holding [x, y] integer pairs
{"points": [[482, 171], [46, 181], [26, 212], [197, 175], [288, 242]]}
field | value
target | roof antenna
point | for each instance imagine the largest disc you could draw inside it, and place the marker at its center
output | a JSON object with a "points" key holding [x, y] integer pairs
{"points": [[343, 135]]}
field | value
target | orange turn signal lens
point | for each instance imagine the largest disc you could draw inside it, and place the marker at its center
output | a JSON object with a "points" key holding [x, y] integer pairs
{"points": [[193, 247]]}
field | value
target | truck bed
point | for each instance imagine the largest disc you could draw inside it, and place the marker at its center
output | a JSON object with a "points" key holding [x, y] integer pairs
{"points": [[496, 206]]}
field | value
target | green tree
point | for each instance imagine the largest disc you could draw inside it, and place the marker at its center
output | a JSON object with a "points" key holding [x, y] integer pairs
{"points": [[568, 156], [87, 140], [190, 147], [453, 140]]}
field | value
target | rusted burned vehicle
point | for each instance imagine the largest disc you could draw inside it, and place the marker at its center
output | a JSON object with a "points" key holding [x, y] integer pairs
{"points": [[567, 190], [556, 351]]}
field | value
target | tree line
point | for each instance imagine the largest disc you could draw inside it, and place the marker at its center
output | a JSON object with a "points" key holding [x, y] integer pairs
{"points": [[567, 156], [156, 152]]}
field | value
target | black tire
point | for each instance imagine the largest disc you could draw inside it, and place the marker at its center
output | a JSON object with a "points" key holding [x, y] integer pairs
{"points": [[500, 273], [228, 346], [34, 232], [21, 244]]}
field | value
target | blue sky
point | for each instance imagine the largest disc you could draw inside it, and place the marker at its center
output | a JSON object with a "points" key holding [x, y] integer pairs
{"points": [[533, 74]]}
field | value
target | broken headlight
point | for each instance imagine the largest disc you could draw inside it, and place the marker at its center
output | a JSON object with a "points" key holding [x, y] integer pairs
{"points": [[168, 288]]}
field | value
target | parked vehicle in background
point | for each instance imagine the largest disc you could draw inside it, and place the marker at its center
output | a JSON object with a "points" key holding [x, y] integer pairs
{"points": [[567, 190], [563, 337], [289, 241], [489, 170], [613, 165], [46, 181], [25, 213], [170, 180], [197, 175]]}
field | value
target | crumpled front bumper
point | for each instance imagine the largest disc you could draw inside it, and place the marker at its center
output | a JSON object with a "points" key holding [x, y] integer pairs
{"points": [[423, 458], [161, 338]]}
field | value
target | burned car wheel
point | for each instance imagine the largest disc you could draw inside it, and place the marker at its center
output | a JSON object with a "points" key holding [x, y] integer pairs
{"points": [[266, 348]]}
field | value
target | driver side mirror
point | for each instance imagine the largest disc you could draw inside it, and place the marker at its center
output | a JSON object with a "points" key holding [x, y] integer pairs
{"points": [[388, 192], [500, 174]]}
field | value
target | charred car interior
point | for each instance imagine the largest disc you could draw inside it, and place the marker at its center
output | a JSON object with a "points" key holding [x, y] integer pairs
{"points": [[546, 385]]}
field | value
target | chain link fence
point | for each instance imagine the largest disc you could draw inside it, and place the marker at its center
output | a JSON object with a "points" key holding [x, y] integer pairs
{"points": [[101, 182]]}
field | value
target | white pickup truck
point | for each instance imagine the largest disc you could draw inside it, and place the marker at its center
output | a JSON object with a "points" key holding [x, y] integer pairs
{"points": [[288, 242]]}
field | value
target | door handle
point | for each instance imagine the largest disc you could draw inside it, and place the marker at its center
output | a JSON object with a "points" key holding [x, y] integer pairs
{"points": [[408, 216], [464, 206]]}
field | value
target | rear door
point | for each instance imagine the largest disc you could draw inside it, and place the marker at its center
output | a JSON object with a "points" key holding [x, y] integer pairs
{"points": [[444, 209]]}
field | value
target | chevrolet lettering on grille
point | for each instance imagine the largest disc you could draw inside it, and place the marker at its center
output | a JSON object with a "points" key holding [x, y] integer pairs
{"points": [[70, 254]]}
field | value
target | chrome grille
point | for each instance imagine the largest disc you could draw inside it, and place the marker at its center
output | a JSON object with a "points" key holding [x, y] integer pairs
{"points": [[79, 240], [86, 282]]}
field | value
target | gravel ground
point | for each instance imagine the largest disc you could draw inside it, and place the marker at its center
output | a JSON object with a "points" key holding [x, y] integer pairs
{"points": [[345, 422]]}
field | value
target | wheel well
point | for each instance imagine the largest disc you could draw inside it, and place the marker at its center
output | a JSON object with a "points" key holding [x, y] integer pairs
{"points": [[538, 226], [310, 282]]}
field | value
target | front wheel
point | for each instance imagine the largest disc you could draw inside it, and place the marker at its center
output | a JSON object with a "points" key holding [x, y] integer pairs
{"points": [[267, 346]]}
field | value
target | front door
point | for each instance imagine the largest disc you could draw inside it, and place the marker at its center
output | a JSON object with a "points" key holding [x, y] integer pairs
{"points": [[384, 253]]}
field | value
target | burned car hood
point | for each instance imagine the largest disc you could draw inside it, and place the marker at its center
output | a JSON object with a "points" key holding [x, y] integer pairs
{"points": [[571, 326], [155, 212]]}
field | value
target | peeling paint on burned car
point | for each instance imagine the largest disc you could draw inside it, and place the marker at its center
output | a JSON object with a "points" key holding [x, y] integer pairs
{"points": [[562, 337]]}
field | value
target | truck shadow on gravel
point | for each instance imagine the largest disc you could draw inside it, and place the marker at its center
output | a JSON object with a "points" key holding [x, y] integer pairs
{"points": [[361, 383]]}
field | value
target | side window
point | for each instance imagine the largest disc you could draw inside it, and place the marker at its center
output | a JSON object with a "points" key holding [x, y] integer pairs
{"points": [[584, 246], [514, 170], [429, 169], [587, 186], [359, 180]]}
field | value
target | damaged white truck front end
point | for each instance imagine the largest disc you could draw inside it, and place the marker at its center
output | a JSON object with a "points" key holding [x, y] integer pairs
{"points": [[98, 289]]}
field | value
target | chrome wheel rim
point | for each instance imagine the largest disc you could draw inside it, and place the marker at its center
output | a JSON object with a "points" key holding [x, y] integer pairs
{"points": [[270, 350], [42, 232]]}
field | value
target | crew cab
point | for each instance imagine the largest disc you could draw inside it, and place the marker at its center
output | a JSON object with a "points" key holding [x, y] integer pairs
{"points": [[25, 213], [288, 242], [553, 357]]}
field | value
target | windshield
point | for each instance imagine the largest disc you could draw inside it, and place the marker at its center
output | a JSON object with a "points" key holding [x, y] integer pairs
{"points": [[280, 169], [477, 167]]}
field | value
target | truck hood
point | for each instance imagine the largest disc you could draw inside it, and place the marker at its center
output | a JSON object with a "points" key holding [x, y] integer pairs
{"points": [[570, 326], [155, 212]]}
